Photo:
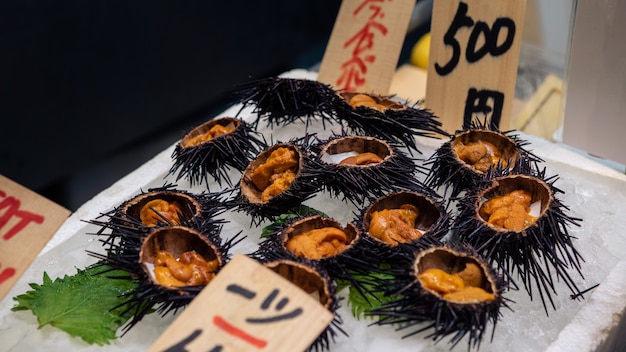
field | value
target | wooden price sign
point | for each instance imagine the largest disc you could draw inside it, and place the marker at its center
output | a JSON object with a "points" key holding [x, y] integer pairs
{"points": [[472, 66], [365, 45], [27, 222], [246, 307]]}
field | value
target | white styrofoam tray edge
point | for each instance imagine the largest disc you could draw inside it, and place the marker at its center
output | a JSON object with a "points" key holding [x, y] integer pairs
{"points": [[594, 325], [124, 188]]}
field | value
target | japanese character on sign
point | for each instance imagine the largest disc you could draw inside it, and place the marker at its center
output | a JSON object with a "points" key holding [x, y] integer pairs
{"points": [[355, 68], [11, 207], [478, 103], [13, 211], [239, 332]]}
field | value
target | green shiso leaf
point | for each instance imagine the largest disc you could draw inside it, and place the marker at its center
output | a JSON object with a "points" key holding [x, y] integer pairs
{"points": [[81, 305], [295, 212]]}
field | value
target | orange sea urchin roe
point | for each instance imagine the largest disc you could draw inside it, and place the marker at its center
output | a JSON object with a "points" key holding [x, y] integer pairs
{"points": [[510, 211], [280, 183], [452, 288], [361, 159], [276, 174], [395, 226], [479, 155], [365, 100], [215, 131], [318, 243], [440, 281], [155, 210], [190, 269], [471, 275], [469, 294]]}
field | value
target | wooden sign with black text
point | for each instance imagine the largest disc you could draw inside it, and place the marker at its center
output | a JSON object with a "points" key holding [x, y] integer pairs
{"points": [[246, 307], [474, 54]]}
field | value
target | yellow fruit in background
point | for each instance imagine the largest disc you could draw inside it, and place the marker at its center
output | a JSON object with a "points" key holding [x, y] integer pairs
{"points": [[419, 53]]}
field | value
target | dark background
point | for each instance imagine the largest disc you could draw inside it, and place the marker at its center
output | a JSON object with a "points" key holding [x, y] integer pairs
{"points": [[90, 90]]}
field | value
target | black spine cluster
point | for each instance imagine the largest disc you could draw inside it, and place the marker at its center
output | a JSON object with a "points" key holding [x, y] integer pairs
{"points": [[281, 101], [400, 126], [216, 157]]}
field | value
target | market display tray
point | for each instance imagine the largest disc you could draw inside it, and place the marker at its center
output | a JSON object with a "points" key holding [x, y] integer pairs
{"points": [[593, 192]]}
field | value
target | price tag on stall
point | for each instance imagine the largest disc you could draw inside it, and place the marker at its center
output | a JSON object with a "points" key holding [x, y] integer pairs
{"points": [[27, 222], [474, 54], [246, 307], [365, 45]]}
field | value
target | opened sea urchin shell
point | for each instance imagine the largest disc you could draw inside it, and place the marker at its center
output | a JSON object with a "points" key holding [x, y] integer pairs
{"points": [[517, 223], [472, 271], [497, 148], [307, 277], [376, 102], [444, 291], [278, 179], [161, 206], [462, 162], [403, 217], [333, 236], [317, 239], [360, 167], [177, 241]]}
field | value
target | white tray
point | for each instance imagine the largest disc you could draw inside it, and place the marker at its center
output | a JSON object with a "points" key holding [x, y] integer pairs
{"points": [[593, 192]]}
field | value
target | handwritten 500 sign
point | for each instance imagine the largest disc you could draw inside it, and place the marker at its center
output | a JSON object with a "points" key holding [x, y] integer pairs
{"points": [[480, 30], [475, 50]]}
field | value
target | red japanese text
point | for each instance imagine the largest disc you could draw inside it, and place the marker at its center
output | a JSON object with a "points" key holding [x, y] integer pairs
{"points": [[6, 273], [354, 69], [10, 210]]}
